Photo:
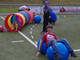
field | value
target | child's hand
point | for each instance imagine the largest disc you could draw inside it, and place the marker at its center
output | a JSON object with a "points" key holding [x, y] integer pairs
{"points": [[49, 16], [38, 53]]}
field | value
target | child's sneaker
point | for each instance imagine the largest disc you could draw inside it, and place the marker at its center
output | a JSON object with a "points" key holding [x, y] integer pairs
{"points": [[73, 54]]}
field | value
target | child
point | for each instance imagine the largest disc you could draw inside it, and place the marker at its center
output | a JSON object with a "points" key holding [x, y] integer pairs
{"points": [[46, 15], [51, 39], [22, 8], [28, 9], [62, 10], [15, 26]]}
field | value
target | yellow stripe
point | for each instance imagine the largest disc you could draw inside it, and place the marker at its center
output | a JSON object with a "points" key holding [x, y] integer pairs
{"points": [[22, 18], [9, 22]]}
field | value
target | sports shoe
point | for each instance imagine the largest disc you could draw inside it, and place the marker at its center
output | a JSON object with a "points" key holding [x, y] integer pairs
{"points": [[73, 54]]}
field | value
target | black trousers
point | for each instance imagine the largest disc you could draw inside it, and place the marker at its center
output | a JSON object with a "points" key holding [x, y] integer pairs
{"points": [[45, 23]]}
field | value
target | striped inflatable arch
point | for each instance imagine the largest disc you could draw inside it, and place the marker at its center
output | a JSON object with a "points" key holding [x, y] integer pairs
{"points": [[15, 21]]}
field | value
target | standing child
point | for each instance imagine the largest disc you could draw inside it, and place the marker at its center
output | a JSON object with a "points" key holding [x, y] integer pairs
{"points": [[46, 15]]}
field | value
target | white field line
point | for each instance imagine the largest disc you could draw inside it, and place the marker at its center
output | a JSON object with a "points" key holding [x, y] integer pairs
{"points": [[77, 50], [17, 41], [28, 39]]}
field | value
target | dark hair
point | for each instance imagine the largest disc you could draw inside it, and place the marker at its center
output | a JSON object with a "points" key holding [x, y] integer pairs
{"points": [[49, 26]]}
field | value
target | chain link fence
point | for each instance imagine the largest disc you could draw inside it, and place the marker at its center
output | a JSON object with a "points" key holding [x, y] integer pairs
{"points": [[39, 8]]}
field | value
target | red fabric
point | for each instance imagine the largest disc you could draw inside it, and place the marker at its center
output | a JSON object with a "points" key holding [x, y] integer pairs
{"points": [[48, 37], [1, 28], [62, 10]]}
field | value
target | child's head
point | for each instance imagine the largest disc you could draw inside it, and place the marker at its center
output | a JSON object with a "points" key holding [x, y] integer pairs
{"points": [[28, 9], [49, 28]]}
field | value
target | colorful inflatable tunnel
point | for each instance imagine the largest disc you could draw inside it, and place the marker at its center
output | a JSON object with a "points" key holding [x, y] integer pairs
{"points": [[16, 21]]}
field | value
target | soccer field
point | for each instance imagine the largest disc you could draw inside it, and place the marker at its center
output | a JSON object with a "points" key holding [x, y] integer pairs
{"points": [[67, 27]]}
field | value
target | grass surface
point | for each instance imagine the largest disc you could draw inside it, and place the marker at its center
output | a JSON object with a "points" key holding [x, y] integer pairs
{"points": [[3, 10], [67, 27]]}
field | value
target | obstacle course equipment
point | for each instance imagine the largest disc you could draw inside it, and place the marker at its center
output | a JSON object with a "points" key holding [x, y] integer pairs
{"points": [[62, 51], [16, 21], [53, 16], [43, 47], [37, 19]]}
